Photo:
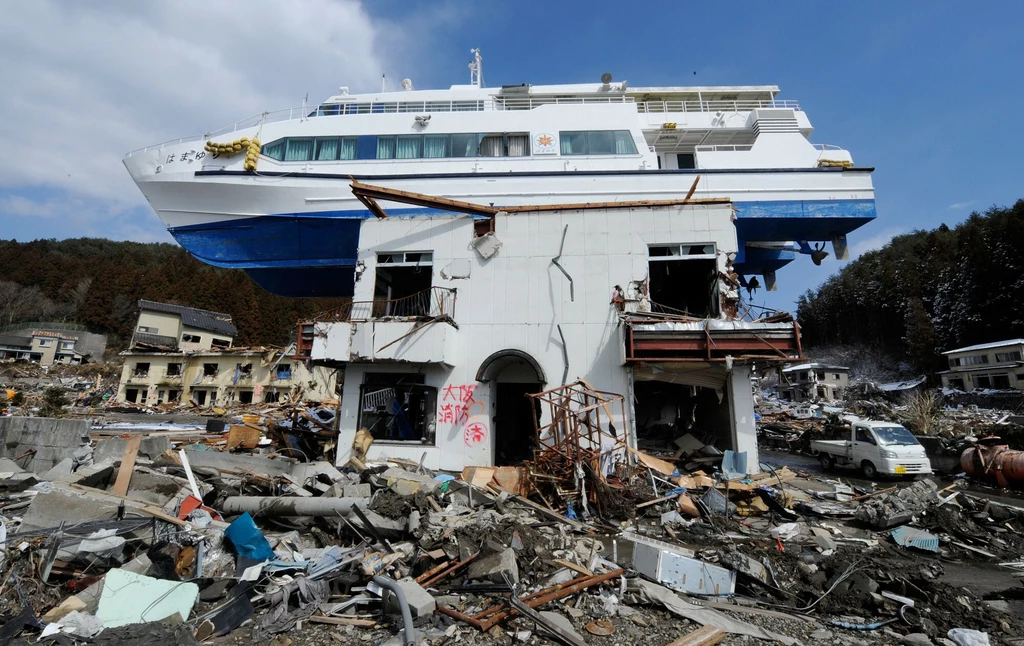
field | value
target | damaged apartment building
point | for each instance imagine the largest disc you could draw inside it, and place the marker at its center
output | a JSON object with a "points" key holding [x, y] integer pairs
{"points": [[459, 315], [186, 355]]}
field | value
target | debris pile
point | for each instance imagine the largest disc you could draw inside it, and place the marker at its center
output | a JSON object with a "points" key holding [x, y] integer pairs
{"points": [[157, 535]]}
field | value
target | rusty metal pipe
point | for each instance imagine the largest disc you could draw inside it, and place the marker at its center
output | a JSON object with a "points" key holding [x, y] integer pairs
{"points": [[994, 463]]}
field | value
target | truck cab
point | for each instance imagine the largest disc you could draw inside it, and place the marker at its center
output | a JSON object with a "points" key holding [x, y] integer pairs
{"points": [[876, 447]]}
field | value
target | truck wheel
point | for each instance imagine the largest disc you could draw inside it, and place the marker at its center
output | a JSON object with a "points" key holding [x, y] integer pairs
{"points": [[826, 461], [868, 469]]}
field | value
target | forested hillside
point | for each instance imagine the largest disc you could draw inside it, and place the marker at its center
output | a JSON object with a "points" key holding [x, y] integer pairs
{"points": [[927, 291], [97, 283]]}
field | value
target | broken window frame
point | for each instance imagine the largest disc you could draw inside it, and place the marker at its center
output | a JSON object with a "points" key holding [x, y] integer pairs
{"points": [[141, 369], [174, 369], [681, 252], [220, 343], [191, 338], [242, 399], [211, 369], [398, 264], [283, 371], [413, 396]]}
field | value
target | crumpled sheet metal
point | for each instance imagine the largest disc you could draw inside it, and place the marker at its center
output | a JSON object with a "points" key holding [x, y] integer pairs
{"points": [[279, 618], [706, 616], [911, 537]]}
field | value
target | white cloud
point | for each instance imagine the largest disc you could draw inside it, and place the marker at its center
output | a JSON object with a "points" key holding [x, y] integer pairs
{"points": [[877, 241], [86, 82], [956, 206]]}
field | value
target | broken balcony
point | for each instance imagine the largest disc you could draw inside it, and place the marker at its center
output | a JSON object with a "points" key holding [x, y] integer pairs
{"points": [[419, 328], [650, 339]]}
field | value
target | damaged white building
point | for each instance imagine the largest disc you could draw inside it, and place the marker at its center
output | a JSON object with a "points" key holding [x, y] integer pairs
{"points": [[458, 315]]}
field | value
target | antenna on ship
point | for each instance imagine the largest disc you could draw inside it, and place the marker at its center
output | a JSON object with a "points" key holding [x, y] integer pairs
{"points": [[383, 83], [476, 68]]}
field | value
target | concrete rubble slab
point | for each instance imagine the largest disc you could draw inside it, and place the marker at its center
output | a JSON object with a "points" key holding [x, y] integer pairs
{"points": [[496, 566]]}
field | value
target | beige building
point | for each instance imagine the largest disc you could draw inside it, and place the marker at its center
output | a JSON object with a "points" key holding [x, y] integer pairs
{"points": [[220, 378], [42, 347], [812, 381], [164, 326], [995, 366], [181, 354]]}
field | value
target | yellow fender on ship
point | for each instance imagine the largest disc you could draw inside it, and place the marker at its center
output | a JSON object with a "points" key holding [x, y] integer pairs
{"points": [[252, 150]]}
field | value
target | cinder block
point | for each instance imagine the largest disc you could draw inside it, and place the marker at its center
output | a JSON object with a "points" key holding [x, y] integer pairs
{"points": [[420, 602], [492, 567]]}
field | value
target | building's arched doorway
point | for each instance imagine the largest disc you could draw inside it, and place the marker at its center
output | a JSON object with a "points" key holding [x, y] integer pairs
{"points": [[512, 375]]}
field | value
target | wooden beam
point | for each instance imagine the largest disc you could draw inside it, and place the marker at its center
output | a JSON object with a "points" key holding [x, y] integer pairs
{"points": [[124, 472], [704, 636], [693, 188]]}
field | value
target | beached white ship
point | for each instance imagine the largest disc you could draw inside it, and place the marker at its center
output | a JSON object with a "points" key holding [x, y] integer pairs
{"points": [[287, 216]]}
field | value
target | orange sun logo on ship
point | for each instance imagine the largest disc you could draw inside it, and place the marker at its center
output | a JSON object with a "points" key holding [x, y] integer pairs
{"points": [[544, 140]]}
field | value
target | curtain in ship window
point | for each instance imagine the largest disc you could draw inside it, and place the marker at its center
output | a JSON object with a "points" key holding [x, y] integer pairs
{"points": [[518, 145], [409, 147], [492, 146], [275, 150], [573, 143], [601, 142], [435, 146], [385, 147], [326, 149], [624, 143], [348, 148], [464, 145], [299, 150]]}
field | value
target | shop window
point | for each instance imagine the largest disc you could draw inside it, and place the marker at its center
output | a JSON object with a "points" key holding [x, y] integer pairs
{"points": [[398, 407]]}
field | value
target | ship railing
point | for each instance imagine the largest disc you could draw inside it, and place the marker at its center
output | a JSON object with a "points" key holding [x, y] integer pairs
{"points": [[531, 102], [714, 106], [436, 302], [719, 148]]}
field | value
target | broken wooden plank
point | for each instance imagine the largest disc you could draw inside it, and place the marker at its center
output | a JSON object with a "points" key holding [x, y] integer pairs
{"points": [[704, 636], [124, 472], [343, 621], [572, 566]]}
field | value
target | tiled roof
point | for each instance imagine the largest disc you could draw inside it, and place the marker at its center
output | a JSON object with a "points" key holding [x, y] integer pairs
{"points": [[216, 322]]}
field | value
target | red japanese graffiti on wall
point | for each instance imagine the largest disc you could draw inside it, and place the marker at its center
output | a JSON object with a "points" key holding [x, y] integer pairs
{"points": [[459, 408]]}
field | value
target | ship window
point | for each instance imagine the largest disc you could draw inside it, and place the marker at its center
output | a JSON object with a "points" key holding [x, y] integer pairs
{"points": [[597, 142], [299, 149], [464, 145], [326, 149], [385, 147], [409, 147], [275, 150], [492, 146], [435, 146], [519, 145]]}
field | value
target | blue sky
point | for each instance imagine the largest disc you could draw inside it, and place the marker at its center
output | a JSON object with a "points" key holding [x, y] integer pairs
{"points": [[927, 93]]}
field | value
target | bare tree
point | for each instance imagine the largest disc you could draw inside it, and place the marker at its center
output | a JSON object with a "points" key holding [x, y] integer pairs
{"points": [[17, 302]]}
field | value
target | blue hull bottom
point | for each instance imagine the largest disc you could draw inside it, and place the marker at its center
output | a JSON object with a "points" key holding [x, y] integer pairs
{"points": [[314, 254]]}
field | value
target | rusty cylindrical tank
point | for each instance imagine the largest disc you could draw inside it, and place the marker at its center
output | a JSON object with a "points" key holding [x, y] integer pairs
{"points": [[993, 461]]}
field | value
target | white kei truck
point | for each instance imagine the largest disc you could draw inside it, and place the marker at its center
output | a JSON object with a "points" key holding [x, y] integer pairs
{"points": [[875, 448]]}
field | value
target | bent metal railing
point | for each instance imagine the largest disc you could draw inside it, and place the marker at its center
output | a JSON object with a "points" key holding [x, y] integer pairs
{"points": [[436, 302]]}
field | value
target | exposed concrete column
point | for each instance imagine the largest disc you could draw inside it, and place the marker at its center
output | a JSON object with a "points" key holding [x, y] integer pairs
{"points": [[741, 415]]}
